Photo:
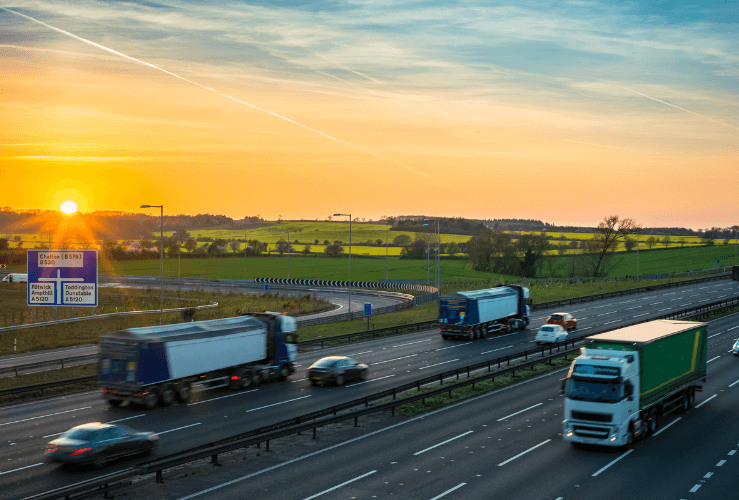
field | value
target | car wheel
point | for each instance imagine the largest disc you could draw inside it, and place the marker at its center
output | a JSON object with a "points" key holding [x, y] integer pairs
{"points": [[363, 375], [445, 336], [115, 403], [151, 448], [339, 380], [183, 392], [151, 400], [98, 462]]}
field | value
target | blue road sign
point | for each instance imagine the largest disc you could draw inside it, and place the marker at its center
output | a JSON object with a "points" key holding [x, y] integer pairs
{"points": [[367, 309], [63, 278], [718, 261], [266, 287]]}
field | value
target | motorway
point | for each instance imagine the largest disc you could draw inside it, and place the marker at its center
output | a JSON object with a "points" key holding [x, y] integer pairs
{"points": [[218, 414]]}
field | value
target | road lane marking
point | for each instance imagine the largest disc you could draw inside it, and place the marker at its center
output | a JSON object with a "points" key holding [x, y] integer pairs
{"points": [[604, 314], [706, 401], [221, 397], [721, 462], [368, 381], [732, 328], [340, 485], [712, 359], [719, 333], [708, 475], [501, 336], [667, 426], [731, 452], [732, 385], [276, 404], [43, 416], [499, 349], [665, 309], [635, 307], [452, 347], [396, 359], [21, 468], [523, 453], [358, 353], [655, 303], [437, 364], [299, 380], [525, 409], [443, 442], [609, 322], [640, 315], [409, 343], [619, 458], [448, 491], [695, 488], [178, 429]]}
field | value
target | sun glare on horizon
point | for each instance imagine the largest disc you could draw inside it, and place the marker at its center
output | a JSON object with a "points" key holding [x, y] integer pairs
{"points": [[68, 207]]}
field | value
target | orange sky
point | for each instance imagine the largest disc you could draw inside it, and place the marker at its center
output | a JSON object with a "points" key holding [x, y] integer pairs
{"points": [[112, 134]]}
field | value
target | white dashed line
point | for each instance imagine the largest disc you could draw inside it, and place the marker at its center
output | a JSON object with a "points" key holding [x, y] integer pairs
{"points": [[276, 404], [437, 364], [43, 416], [609, 322], [448, 491], [713, 359], [221, 397], [410, 343], [452, 347], [499, 349], [443, 442], [695, 488], [178, 429], [668, 426], [619, 458], [525, 409], [368, 381], [340, 485], [524, 452], [706, 401], [395, 359], [720, 463], [21, 468], [640, 315]]}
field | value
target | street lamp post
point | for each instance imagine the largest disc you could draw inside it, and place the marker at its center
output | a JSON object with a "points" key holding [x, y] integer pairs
{"points": [[246, 244], [437, 262], [288, 253], [387, 231], [161, 260], [350, 260]]}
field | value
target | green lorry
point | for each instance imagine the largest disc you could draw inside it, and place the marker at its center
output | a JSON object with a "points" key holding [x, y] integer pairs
{"points": [[626, 380]]}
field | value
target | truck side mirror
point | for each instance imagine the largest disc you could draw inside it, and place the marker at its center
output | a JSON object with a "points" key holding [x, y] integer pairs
{"points": [[629, 390], [562, 386]]}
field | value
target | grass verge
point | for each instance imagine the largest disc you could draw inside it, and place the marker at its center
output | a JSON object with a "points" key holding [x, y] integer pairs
{"points": [[483, 387]]}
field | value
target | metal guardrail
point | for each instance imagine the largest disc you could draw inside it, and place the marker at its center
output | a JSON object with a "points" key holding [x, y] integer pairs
{"points": [[298, 424], [39, 388], [369, 334], [4, 371], [631, 291]]}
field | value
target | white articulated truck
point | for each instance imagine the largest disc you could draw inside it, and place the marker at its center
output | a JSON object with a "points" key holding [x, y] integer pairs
{"points": [[160, 364], [626, 380]]}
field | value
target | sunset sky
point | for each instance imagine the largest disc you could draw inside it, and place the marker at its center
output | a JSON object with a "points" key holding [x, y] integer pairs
{"points": [[563, 111]]}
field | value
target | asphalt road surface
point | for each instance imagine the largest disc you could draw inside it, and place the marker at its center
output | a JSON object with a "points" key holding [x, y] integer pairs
{"points": [[393, 361]]}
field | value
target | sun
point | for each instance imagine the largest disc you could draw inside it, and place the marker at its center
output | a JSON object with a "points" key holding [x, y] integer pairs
{"points": [[68, 207]]}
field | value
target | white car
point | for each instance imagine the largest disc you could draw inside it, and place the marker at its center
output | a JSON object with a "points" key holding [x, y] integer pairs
{"points": [[735, 349], [550, 334]]}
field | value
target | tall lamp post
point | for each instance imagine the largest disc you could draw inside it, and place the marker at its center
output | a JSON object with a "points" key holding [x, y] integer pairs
{"points": [[437, 262], [288, 253], [246, 244], [387, 232], [350, 260], [161, 260]]}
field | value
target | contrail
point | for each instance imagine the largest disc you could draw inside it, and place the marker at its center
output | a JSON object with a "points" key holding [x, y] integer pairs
{"points": [[683, 109], [120, 54]]}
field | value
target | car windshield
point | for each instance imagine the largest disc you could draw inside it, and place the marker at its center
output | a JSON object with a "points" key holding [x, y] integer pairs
{"points": [[547, 329], [79, 434], [326, 362], [555, 317], [594, 391]]}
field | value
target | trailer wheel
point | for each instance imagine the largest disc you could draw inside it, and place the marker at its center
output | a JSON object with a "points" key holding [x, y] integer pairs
{"points": [[691, 397], [166, 397], [284, 372], [183, 392], [256, 379], [151, 399], [483, 331], [653, 422], [115, 403]]}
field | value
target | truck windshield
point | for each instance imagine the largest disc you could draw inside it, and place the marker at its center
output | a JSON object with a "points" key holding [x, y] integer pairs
{"points": [[595, 391]]}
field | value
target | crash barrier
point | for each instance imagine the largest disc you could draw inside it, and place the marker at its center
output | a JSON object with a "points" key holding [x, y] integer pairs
{"points": [[356, 284], [369, 334], [90, 358]]}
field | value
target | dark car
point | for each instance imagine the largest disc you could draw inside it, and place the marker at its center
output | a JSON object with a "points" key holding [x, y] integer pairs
{"points": [[96, 444], [563, 319], [337, 369]]}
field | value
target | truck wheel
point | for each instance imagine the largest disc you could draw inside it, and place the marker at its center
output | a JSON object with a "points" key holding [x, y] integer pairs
{"points": [[115, 403], [484, 331], [445, 336], [284, 372], [183, 392], [653, 422], [256, 379], [150, 400], [691, 398], [166, 397]]}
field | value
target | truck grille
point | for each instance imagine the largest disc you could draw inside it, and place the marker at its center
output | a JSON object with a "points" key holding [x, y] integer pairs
{"points": [[593, 432], [592, 417]]}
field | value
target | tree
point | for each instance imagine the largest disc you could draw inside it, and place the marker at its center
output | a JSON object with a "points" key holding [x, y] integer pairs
{"points": [[281, 246], [651, 241], [306, 249], [190, 244], [531, 247], [18, 241], [326, 242], [415, 250], [316, 242], [235, 246], [666, 241], [401, 240], [611, 229], [629, 243], [485, 246], [452, 248], [4, 245], [333, 250], [378, 242], [682, 242], [218, 246]]}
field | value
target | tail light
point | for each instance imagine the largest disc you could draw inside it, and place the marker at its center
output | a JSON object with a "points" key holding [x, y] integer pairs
{"points": [[79, 452], [50, 449], [235, 377]]}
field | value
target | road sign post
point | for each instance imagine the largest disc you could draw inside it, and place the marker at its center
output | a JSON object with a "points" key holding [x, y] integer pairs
{"points": [[63, 278], [368, 312]]}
